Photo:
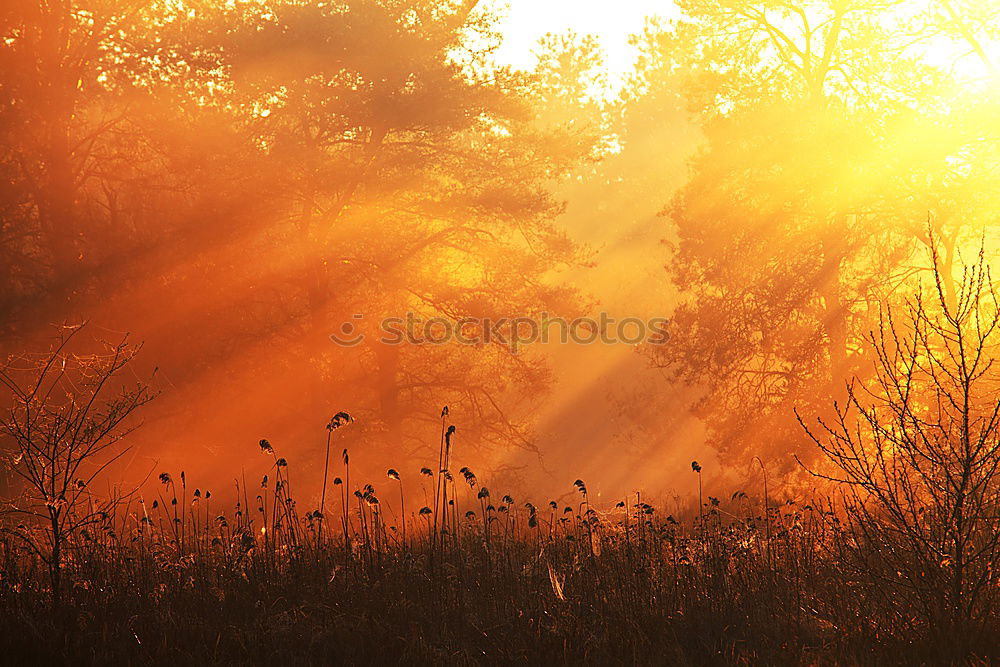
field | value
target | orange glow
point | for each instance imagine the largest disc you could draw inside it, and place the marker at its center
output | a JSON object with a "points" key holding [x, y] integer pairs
{"points": [[765, 174], [499, 331]]}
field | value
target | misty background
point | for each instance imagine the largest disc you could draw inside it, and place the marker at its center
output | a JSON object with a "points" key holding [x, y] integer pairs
{"points": [[229, 182]]}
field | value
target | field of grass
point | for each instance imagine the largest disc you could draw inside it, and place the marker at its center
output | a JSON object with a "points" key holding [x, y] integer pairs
{"points": [[173, 578]]}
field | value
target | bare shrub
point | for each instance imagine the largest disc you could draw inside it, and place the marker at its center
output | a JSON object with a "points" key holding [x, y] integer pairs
{"points": [[916, 453], [62, 427]]}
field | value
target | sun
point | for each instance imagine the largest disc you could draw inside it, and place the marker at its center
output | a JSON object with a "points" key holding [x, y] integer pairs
{"points": [[955, 36]]}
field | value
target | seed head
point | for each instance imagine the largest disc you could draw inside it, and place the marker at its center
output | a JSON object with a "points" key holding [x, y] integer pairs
{"points": [[338, 420]]}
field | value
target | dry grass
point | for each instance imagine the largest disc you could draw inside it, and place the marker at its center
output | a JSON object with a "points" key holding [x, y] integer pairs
{"points": [[175, 578]]}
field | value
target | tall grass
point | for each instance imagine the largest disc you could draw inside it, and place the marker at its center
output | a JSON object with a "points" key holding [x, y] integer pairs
{"points": [[171, 577]]}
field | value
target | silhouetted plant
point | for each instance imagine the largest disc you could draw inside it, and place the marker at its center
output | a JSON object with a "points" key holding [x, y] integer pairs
{"points": [[916, 453], [63, 428]]}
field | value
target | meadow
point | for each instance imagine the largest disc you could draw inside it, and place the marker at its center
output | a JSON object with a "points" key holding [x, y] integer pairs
{"points": [[893, 558], [172, 577]]}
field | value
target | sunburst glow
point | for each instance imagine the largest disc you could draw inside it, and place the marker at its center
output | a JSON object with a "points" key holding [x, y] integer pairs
{"points": [[499, 331]]}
